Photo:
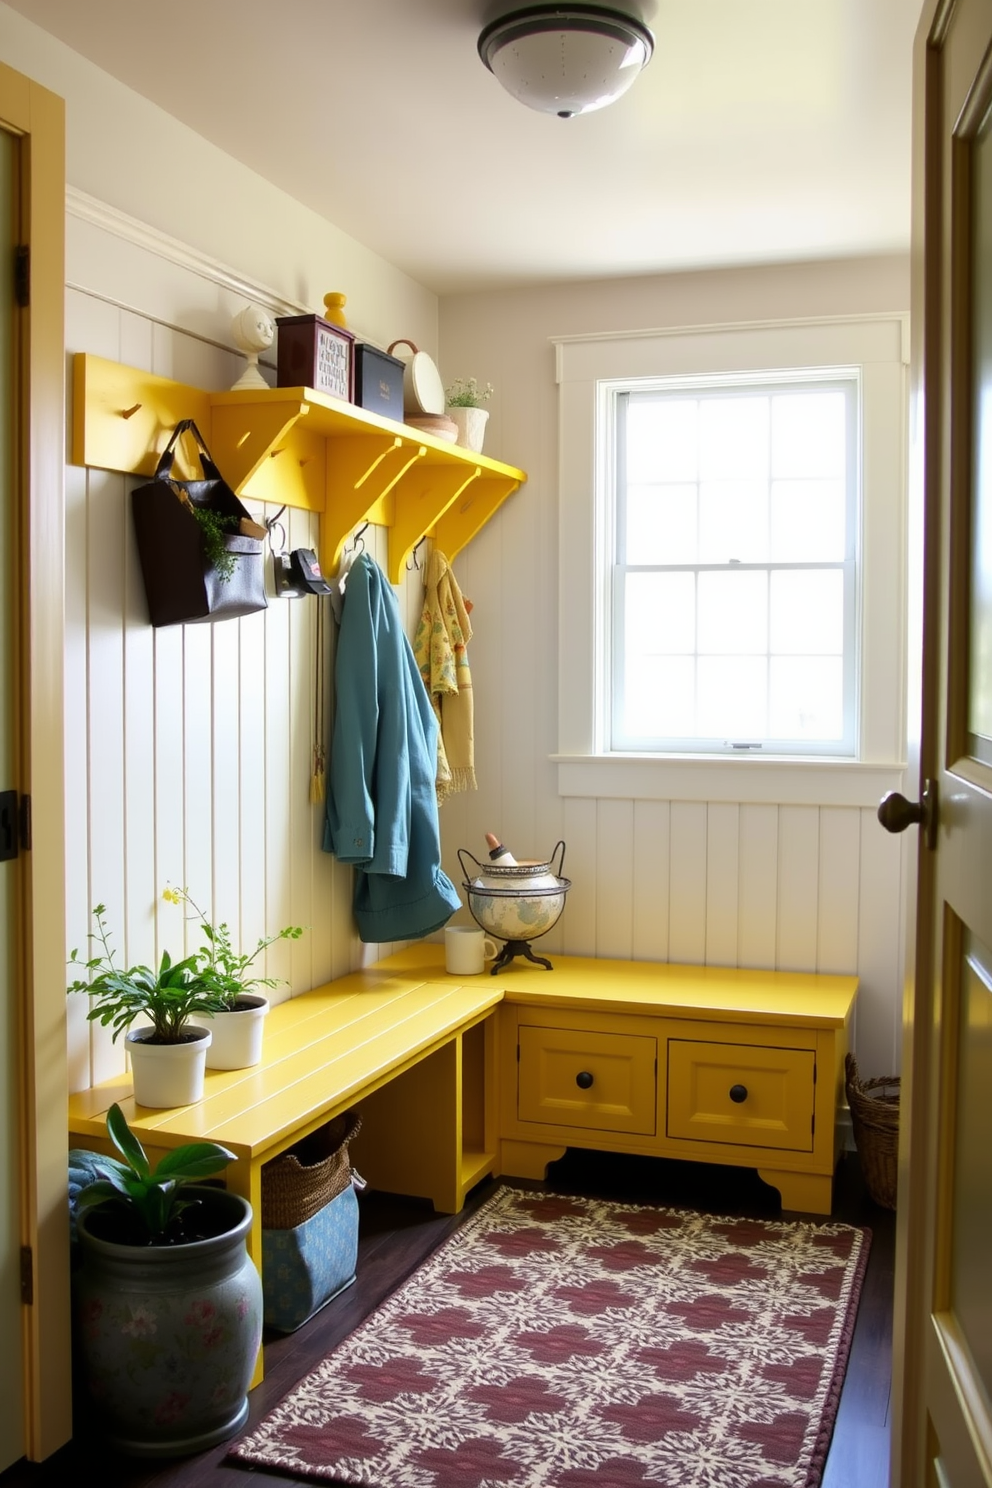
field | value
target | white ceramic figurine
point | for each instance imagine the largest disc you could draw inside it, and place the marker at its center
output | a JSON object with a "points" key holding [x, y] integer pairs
{"points": [[253, 330]]}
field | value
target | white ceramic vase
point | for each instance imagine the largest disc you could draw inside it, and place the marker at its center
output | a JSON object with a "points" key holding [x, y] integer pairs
{"points": [[471, 427], [167, 1075], [237, 1034]]}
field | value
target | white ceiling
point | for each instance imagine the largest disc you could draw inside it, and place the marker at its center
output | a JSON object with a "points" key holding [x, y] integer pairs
{"points": [[762, 131]]}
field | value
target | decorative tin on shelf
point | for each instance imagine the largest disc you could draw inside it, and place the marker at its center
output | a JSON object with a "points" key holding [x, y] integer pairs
{"points": [[378, 381], [313, 353]]}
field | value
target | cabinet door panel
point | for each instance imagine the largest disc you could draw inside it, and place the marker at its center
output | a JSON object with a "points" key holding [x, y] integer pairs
{"points": [[741, 1093], [598, 1081]]}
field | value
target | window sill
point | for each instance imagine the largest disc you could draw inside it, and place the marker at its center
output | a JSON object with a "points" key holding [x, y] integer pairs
{"points": [[783, 782]]}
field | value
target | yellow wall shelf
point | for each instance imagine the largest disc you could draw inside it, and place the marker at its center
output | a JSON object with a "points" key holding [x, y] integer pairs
{"points": [[298, 447]]}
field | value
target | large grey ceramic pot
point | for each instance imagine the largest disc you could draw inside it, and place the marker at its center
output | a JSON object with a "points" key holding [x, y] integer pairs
{"points": [[168, 1334]]}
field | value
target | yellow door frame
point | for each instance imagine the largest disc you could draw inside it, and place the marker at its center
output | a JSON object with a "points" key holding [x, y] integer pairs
{"points": [[37, 117]]}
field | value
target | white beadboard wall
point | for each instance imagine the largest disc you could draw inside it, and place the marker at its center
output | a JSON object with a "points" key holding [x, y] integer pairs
{"points": [[188, 748], [810, 888]]}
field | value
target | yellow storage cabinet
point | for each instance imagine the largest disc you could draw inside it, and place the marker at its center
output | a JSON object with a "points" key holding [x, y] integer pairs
{"points": [[706, 1064]]}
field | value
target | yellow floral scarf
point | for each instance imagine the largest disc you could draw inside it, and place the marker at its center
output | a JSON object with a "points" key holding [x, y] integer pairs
{"points": [[440, 649]]}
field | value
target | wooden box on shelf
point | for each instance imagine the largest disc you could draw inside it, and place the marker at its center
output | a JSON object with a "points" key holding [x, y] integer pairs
{"points": [[313, 353]]}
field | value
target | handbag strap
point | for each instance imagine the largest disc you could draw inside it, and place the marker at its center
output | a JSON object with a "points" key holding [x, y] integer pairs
{"points": [[185, 426]]}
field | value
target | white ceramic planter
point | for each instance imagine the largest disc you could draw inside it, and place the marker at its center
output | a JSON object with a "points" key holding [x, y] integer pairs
{"points": [[167, 1075], [237, 1035], [471, 427]]}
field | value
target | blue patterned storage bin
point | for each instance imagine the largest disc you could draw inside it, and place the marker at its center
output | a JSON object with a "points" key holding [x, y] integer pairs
{"points": [[305, 1267]]}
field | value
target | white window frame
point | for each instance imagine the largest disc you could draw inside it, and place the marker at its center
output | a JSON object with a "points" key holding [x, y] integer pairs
{"points": [[587, 366], [611, 394]]}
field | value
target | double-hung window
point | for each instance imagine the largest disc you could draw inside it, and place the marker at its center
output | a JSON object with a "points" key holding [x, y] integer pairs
{"points": [[732, 561], [733, 622]]}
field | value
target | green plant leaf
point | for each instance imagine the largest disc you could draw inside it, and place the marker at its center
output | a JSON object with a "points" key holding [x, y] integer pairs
{"points": [[194, 1160], [98, 1192], [126, 1142]]}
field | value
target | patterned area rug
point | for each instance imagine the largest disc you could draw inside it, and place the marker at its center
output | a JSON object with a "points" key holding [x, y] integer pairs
{"points": [[558, 1342]]}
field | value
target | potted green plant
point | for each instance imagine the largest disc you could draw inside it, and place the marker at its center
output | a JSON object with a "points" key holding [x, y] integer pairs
{"points": [[168, 1057], [237, 1026], [167, 1303], [465, 401]]}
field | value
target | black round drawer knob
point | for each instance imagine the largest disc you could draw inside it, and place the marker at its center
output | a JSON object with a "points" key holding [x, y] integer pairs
{"points": [[738, 1093], [583, 1079]]}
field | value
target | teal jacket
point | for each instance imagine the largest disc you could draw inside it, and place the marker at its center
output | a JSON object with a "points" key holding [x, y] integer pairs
{"points": [[382, 803]]}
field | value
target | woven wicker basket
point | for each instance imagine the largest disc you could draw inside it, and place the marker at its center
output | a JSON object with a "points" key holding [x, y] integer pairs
{"points": [[875, 1116], [308, 1175]]}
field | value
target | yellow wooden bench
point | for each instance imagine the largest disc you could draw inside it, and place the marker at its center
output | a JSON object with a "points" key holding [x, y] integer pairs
{"points": [[411, 1052], [460, 1078]]}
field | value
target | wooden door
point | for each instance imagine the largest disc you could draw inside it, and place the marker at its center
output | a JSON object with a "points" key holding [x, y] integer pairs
{"points": [[943, 1375], [12, 1439], [34, 1321]]}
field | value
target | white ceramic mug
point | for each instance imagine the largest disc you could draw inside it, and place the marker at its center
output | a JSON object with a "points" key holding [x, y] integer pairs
{"points": [[466, 950]]}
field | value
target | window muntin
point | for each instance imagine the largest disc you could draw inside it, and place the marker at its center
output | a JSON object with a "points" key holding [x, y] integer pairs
{"points": [[734, 575]]}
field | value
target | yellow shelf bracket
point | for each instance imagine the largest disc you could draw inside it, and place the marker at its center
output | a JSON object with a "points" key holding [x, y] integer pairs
{"points": [[422, 497], [463, 519], [362, 469], [247, 439]]}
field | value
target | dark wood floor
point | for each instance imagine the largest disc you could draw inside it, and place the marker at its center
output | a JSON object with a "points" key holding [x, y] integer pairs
{"points": [[396, 1235]]}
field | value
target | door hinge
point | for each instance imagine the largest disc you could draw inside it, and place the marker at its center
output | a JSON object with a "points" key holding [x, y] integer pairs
{"points": [[15, 824], [27, 1275], [22, 275], [10, 827]]}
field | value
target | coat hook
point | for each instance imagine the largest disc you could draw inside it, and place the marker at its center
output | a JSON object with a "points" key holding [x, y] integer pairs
{"points": [[416, 549], [130, 412], [277, 532]]}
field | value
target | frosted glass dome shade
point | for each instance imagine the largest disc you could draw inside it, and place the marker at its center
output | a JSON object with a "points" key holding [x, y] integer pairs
{"points": [[566, 59]]}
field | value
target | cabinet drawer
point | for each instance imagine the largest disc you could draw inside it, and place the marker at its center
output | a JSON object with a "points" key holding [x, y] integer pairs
{"points": [[772, 1100], [555, 1088]]}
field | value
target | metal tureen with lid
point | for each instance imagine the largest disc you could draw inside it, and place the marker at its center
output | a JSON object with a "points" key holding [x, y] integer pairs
{"points": [[515, 901]]}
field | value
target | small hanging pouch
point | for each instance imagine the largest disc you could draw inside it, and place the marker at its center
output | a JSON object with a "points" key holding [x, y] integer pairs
{"points": [[201, 551]]}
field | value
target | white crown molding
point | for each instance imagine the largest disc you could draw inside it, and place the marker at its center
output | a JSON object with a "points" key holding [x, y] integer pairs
{"points": [[109, 219], [719, 328]]}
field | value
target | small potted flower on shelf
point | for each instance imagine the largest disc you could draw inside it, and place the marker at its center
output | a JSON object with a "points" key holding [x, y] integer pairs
{"points": [[464, 399], [168, 1057], [237, 1025]]}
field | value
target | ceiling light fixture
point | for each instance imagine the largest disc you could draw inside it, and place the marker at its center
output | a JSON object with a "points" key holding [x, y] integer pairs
{"points": [[566, 59]]}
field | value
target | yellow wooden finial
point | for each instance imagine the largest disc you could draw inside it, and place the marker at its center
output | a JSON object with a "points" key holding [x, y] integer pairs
{"points": [[334, 309]]}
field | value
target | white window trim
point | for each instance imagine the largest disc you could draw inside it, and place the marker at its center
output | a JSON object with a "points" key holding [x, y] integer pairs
{"points": [[879, 346]]}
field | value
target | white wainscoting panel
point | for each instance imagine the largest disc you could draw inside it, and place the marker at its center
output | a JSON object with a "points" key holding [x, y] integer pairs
{"points": [[189, 749], [789, 888]]}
